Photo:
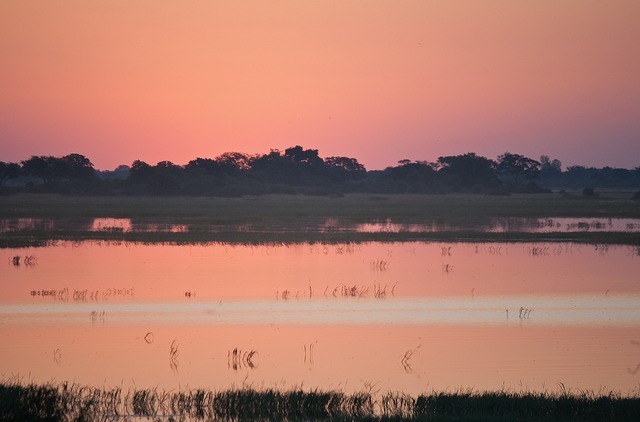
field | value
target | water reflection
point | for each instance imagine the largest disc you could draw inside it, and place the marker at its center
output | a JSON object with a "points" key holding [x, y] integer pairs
{"points": [[347, 357], [510, 225], [405, 317], [121, 271], [504, 310], [332, 225]]}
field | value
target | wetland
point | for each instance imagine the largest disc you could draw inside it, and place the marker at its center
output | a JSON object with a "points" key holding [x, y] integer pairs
{"points": [[354, 295]]}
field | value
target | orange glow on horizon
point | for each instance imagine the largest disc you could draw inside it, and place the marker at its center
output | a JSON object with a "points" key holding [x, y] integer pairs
{"points": [[378, 81]]}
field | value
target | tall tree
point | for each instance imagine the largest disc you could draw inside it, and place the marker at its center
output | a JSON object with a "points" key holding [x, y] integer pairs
{"points": [[349, 165], [234, 162], [516, 169], [468, 170], [139, 171], [77, 166], [42, 167], [202, 166], [305, 156], [8, 171]]}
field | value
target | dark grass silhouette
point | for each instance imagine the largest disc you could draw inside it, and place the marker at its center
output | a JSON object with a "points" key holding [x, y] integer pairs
{"points": [[75, 402]]}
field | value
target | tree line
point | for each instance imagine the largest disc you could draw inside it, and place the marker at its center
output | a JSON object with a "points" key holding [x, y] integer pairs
{"points": [[297, 170]]}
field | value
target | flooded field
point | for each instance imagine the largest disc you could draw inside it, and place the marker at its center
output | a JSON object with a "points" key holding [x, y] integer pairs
{"points": [[329, 225], [410, 316]]}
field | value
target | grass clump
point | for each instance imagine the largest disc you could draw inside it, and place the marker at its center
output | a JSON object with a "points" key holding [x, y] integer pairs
{"points": [[527, 407]]}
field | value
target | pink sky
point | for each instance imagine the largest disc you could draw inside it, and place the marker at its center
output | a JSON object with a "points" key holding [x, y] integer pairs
{"points": [[376, 80]]}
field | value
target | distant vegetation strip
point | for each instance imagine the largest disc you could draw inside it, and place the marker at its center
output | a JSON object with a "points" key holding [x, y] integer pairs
{"points": [[302, 211], [297, 170], [75, 402]]}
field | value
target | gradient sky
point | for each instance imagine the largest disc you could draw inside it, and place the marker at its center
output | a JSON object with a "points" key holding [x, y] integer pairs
{"points": [[376, 80]]}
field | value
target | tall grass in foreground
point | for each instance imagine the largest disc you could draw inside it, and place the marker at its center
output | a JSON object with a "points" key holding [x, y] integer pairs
{"points": [[74, 402]]}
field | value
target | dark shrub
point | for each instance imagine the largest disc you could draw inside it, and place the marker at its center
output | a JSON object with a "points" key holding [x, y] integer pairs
{"points": [[588, 192]]}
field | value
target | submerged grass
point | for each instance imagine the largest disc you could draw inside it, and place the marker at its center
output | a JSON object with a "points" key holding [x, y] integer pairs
{"points": [[74, 402]]}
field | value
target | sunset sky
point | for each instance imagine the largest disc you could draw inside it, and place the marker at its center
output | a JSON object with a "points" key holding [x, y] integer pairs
{"points": [[376, 80]]}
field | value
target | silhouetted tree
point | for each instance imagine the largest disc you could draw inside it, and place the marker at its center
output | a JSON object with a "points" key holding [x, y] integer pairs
{"points": [[274, 167], [233, 163], [72, 173], [41, 167], [296, 167], [349, 166], [468, 170], [139, 171], [305, 156], [516, 169], [202, 166], [300, 170], [8, 171], [76, 167], [168, 167], [165, 178], [411, 176], [547, 164]]}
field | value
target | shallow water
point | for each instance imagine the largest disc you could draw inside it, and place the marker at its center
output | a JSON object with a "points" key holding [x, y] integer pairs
{"points": [[386, 316]]}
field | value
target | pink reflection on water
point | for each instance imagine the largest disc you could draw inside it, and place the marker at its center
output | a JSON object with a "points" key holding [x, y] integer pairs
{"points": [[329, 357], [122, 225], [506, 225], [449, 318], [222, 271]]}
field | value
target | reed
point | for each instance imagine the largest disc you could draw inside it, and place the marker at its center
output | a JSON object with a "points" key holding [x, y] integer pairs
{"points": [[524, 313], [173, 355], [30, 260], [380, 265], [407, 357], [238, 359], [66, 402]]}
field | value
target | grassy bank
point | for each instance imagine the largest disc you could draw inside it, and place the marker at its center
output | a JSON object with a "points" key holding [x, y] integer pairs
{"points": [[73, 402], [354, 207], [283, 218]]}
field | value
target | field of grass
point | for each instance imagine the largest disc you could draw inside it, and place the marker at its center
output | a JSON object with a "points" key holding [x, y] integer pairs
{"points": [[283, 218], [74, 402]]}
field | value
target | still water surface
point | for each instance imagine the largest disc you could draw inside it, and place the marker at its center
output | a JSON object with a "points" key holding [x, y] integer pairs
{"points": [[409, 317]]}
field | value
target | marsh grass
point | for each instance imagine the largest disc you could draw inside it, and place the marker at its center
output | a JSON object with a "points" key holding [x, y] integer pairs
{"points": [[74, 402], [353, 207]]}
